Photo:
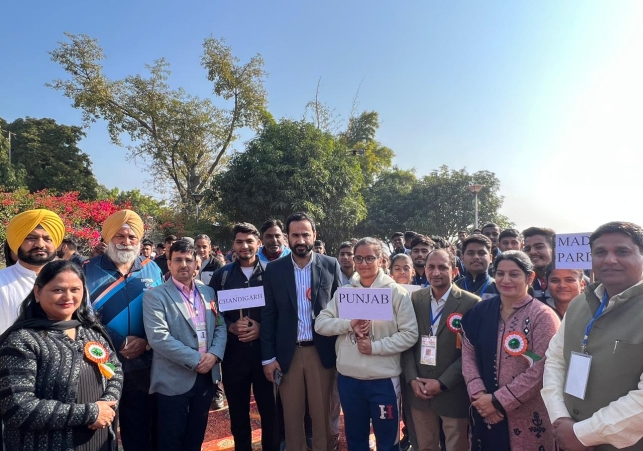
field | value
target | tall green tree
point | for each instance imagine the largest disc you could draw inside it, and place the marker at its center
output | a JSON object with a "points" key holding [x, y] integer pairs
{"points": [[436, 204], [293, 166], [48, 155], [183, 138], [11, 178]]}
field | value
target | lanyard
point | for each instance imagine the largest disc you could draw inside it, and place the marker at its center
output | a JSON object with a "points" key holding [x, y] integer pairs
{"points": [[434, 319], [484, 287], [187, 298], [598, 313]]}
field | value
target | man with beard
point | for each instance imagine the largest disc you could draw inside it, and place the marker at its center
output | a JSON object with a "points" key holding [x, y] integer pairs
{"points": [[296, 290], [67, 251], [34, 236], [242, 369], [421, 247], [539, 243], [116, 282], [274, 244]]}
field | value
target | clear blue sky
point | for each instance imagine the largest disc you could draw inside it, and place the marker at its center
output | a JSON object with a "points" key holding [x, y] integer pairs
{"points": [[547, 94]]}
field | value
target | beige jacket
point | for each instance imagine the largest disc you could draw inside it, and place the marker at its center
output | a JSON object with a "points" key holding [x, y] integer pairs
{"points": [[391, 338]]}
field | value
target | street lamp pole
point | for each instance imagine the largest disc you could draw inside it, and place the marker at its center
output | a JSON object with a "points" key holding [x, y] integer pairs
{"points": [[475, 189], [197, 197]]}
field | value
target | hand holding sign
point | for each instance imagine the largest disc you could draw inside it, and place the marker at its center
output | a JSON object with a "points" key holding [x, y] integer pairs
{"points": [[360, 327], [249, 332], [241, 298]]}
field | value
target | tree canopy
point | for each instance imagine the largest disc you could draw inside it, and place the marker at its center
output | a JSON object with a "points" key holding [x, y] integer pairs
{"points": [[45, 155], [436, 204], [182, 137], [293, 166]]}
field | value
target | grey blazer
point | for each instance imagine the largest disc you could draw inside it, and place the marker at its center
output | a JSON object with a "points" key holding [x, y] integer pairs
{"points": [[172, 335], [454, 402]]}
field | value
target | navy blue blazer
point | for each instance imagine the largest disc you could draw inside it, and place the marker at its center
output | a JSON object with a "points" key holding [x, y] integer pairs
{"points": [[279, 316]]}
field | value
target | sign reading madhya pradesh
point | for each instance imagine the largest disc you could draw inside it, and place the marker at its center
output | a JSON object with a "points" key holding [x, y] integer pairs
{"points": [[572, 251], [365, 303], [241, 298]]}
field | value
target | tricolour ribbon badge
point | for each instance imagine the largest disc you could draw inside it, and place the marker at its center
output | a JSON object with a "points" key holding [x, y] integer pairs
{"points": [[516, 344], [96, 352]]}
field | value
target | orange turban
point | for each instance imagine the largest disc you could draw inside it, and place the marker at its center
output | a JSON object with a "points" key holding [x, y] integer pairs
{"points": [[23, 224], [120, 219]]}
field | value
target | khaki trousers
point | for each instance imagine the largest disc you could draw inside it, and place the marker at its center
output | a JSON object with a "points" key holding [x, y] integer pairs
{"points": [[307, 378], [427, 430]]}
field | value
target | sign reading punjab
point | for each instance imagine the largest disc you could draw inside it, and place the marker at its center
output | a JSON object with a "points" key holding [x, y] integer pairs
{"points": [[241, 298], [365, 303]]}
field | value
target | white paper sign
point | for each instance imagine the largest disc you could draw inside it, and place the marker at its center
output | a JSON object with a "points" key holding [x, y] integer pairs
{"points": [[241, 298], [572, 251], [411, 288], [365, 303]]}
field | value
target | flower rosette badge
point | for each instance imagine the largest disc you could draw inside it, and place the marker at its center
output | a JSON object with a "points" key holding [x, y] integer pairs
{"points": [[516, 344], [96, 352], [454, 323]]}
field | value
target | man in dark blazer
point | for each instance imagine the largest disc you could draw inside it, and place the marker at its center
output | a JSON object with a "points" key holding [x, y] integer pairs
{"points": [[188, 338], [435, 372], [296, 290]]}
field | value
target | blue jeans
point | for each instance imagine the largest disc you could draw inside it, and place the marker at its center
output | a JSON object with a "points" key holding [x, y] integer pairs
{"points": [[364, 401]]}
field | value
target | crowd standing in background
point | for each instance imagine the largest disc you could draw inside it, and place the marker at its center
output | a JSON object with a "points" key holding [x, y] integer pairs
{"points": [[490, 346]]}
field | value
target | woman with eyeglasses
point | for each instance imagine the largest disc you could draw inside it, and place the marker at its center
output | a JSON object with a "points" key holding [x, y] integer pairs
{"points": [[368, 355]]}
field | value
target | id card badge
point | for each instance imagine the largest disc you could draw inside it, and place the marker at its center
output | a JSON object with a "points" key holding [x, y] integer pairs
{"points": [[429, 351], [578, 374], [202, 334]]}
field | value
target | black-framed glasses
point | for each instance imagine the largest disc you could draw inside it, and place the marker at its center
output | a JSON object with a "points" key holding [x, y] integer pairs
{"points": [[368, 259]]}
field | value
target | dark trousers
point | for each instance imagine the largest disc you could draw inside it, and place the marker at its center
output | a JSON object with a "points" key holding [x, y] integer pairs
{"points": [[136, 412], [364, 401], [182, 419], [242, 370]]}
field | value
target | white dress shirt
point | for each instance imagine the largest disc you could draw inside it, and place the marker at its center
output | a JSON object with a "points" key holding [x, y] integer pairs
{"points": [[16, 282], [619, 424], [436, 308]]}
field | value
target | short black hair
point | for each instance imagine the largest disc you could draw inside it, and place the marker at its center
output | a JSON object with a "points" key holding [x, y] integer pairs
{"points": [[147, 242], [396, 234], [300, 216], [346, 244], [409, 235], [446, 250], [461, 231], [478, 238], [160, 245], [511, 233], [184, 247], [270, 223], [319, 243], [245, 227], [422, 239], [476, 231], [630, 229], [70, 243], [549, 234], [440, 242], [170, 238], [489, 225]]}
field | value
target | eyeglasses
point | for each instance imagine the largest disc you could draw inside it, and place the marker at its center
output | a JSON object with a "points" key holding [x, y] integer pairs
{"points": [[368, 259]]}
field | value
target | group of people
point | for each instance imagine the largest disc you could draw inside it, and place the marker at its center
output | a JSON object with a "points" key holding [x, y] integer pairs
{"points": [[490, 347]]}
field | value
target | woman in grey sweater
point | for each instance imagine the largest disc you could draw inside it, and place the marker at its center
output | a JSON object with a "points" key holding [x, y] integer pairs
{"points": [[60, 378]]}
